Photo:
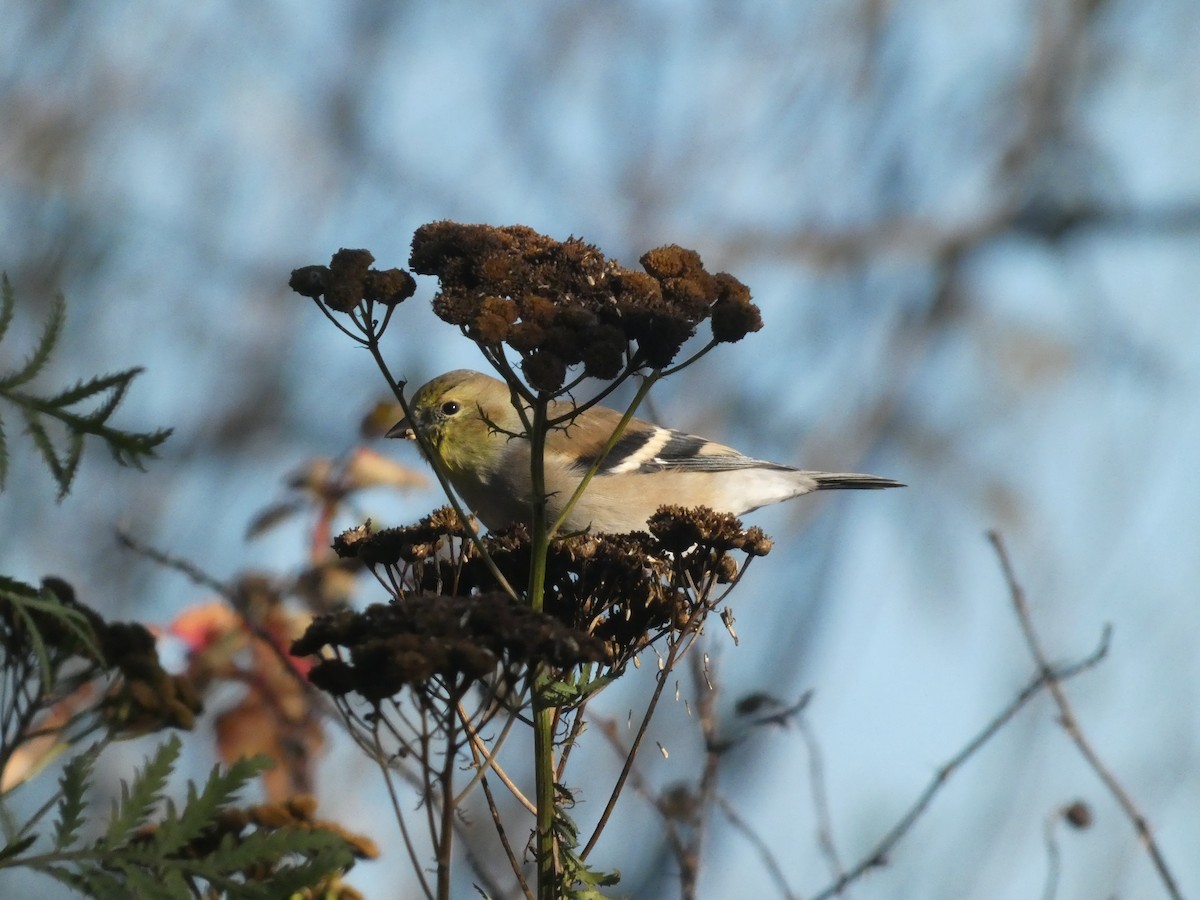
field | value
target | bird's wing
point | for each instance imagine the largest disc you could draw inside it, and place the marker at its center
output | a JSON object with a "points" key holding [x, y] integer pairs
{"points": [[645, 448], [679, 452]]}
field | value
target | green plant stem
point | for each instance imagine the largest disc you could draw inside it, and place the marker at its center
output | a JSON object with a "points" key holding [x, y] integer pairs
{"points": [[543, 716], [543, 752], [642, 391]]}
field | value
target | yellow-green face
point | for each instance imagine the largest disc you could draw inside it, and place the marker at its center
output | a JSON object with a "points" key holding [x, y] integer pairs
{"points": [[453, 412]]}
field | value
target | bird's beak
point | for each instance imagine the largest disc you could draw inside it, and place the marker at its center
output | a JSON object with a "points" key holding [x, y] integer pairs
{"points": [[402, 429]]}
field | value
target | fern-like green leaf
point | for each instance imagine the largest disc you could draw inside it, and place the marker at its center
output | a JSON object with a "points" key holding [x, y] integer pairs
{"points": [[46, 668], [221, 789], [139, 799], [47, 603], [51, 332], [176, 882], [62, 874], [324, 850], [147, 884], [62, 456], [17, 847], [3, 456], [117, 383], [103, 885], [8, 303], [70, 462], [41, 440], [29, 605], [73, 786], [132, 448], [323, 862]]}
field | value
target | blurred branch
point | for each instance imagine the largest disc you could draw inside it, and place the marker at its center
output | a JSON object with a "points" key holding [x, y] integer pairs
{"points": [[233, 595], [770, 863], [1070, 723], [1079, 816], [816, 778], [684, 808], [1044, 678]]}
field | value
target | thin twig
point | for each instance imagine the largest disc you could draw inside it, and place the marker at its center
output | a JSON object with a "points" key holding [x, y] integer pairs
{"points": [[381, 761], [878, 856], [705, 685], [444, 846], [817, 782], [479, 748], [609, 728], [372, 337], [1053, 856], [770, 863], [229, 594], [672, 657], [498, 821], [1070, 723]]}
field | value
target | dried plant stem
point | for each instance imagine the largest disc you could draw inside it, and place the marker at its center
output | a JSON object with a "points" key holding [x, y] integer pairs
{"points": [[643, 389], [380, 757], [1070, 723], [485, 759], [609, 728], [1053, 856], [878, 855], [578, 722], [445, 839], [498, 821], [770, 863], [816, 778], [672, 657]]}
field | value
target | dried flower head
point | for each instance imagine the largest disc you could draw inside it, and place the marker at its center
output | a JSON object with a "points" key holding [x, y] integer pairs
{"points": [[349, 279], [560, 305], [436, 643], [625, 591]]}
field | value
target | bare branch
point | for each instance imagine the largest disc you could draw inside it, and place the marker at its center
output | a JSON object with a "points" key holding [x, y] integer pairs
{"points": [[770, 863], [1070, 723], [816, 778], [879, 855]]}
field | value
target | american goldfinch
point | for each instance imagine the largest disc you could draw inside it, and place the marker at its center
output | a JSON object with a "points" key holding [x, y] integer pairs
{"points": [[470, 423]]}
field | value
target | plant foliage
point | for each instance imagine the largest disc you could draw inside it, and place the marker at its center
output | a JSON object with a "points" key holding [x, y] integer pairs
{"points": [[38, 411], [206, 845]]}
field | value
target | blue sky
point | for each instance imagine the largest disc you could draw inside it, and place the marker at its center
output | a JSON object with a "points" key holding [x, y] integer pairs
{"points": [[972, 231]]}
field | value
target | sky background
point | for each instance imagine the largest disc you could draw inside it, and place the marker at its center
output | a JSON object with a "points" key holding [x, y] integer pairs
{"points": [[972, 230]]}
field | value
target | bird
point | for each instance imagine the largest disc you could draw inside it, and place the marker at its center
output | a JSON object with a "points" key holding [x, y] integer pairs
{"points": [[471, 425]]}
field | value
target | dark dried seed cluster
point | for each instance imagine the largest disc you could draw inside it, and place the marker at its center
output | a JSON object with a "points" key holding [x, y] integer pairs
{"points": [[410, 544], [625, 591], [144, 698], [562, 304], [349, 279], [677, 529], [148, 697], [457, 640]]}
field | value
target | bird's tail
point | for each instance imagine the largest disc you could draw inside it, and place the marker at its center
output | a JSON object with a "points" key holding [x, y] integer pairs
{"points": [[828, 481]]}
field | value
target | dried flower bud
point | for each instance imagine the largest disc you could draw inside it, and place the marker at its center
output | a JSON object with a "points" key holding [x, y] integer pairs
{"points": [[544, 370], [347, 277], [733, 315], [389, 287], [310, 281], [1078, 815]]}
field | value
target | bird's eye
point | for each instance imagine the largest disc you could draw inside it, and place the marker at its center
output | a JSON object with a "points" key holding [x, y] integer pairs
{"points": [[450, 407]]}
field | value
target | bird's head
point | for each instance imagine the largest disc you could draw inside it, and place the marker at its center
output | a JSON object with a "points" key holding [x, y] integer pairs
{"points": [[466, 416]]}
